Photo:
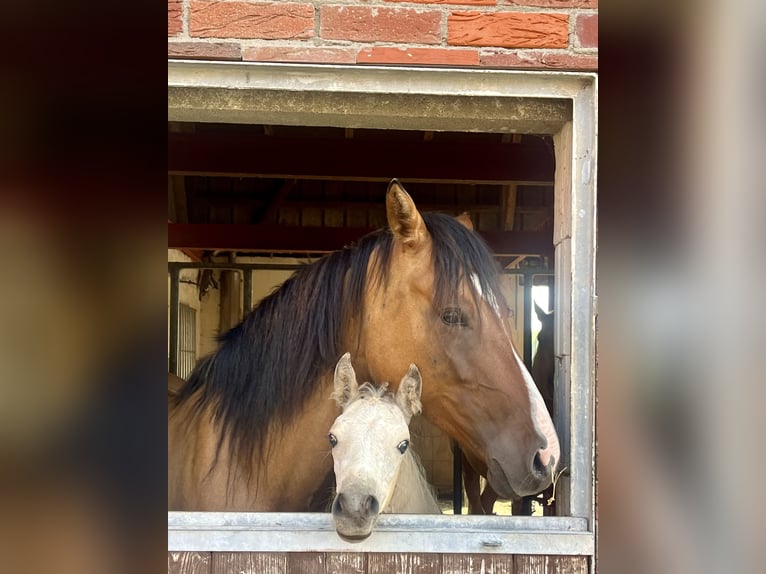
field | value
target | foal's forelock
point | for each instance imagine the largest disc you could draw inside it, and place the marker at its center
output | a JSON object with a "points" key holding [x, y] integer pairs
{"points": [[367, 391]]}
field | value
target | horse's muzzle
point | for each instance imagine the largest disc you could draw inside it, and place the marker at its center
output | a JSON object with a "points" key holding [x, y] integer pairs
{"points": [[536, 478], [354, 516]]}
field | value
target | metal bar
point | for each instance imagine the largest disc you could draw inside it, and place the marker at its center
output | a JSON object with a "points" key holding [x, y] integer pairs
{"points": [[174, 316], [583, 293], [273, 238], [457, 479], [247, 296], [528, 271], [315, 532], [237, 266], [294, 266], [528, 320]]}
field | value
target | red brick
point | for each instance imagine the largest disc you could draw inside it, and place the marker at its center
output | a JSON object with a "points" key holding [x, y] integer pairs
{"points": [[555, 3], [586, 30], [204, 51], [472, 2], [377, 24], [381, 55], [539, 60], [297, 54], [175, 17], [278, 20], [508, 29]]}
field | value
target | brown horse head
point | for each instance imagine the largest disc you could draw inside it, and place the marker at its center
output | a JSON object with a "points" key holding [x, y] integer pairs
{"points": [[440, 305], [246, 431]]}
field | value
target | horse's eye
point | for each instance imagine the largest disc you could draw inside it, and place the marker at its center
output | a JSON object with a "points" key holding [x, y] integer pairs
{"points": [[333, 440], [453, 316], [403, 446]]}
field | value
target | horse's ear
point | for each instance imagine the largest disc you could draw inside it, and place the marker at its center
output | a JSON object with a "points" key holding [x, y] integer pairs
{"points": [[345, 383], [465, 220], [540, 313], [405, 221], [409, 391]]}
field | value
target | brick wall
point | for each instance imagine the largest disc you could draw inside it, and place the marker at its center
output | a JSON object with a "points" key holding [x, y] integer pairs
{"points": [[528, 34]]}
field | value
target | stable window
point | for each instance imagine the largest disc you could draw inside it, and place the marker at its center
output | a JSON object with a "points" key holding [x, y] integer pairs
{"points": [[561, 105], [187, 340]]}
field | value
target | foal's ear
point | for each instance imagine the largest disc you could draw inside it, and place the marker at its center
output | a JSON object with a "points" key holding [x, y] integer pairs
{"points": [[404, 219], [344, 381], [409, 391], [465, 220], [540, 313]]}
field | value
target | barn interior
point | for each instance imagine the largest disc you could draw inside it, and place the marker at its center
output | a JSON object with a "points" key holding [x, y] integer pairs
{"points": [[247, 204]]}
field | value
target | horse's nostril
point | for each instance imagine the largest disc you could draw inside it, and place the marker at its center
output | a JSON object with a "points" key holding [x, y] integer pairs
{"points": [[371, 505], [537, 464], [337, 504]]}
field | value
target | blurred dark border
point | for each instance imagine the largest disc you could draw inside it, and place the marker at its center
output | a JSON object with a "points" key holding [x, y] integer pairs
{"points": [[83, 160]]}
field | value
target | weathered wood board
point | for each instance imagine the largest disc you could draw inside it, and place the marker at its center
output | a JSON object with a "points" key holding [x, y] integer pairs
{"points": [[370, 563]]}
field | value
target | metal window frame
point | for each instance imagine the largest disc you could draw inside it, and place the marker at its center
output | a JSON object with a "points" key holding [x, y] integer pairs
{"points": [[186, 352], [562, 104]]}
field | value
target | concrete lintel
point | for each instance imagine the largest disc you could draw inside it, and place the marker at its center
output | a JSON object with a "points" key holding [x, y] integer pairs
{"points": [[366, 110], [431, 99]]}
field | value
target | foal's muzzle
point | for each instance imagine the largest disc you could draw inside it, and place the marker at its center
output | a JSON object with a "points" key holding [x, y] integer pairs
{"points": [[354, 515]]}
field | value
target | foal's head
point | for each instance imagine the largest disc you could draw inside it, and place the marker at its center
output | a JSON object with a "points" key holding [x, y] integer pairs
{"points": [[369, 441]]}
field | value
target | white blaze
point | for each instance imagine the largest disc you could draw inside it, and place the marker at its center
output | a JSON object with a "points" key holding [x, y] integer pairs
{"points": [[540, 416]]}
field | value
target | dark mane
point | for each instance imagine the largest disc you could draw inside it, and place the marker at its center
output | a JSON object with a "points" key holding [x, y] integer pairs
{"points": [[267, 366]]}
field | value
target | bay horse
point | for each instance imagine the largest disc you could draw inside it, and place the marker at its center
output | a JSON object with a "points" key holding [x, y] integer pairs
{"points": [[375, 467], [542, 371], [247, 431]]}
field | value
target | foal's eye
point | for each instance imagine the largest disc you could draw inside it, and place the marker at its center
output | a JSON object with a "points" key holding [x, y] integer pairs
{"points": [[403, 446], [333, 439], [453, 316]]}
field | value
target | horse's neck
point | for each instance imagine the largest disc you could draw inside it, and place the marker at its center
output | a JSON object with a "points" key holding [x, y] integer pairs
{"points": [[298, 458], [295, 463], [412, 493]]}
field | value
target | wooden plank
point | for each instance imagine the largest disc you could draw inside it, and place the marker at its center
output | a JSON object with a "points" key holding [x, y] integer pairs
{"points": [[336, 218], [240, 153], [288, 216], [177, 209], [567, 565], [523, 564], [390, 563], [502, 564], [306, 563], [423, 205], [189, 562], [249, 563], [508, 204], [477, 564], [311, 217], [357, 217], [346, 562], [269, 213], [290, 238]]}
